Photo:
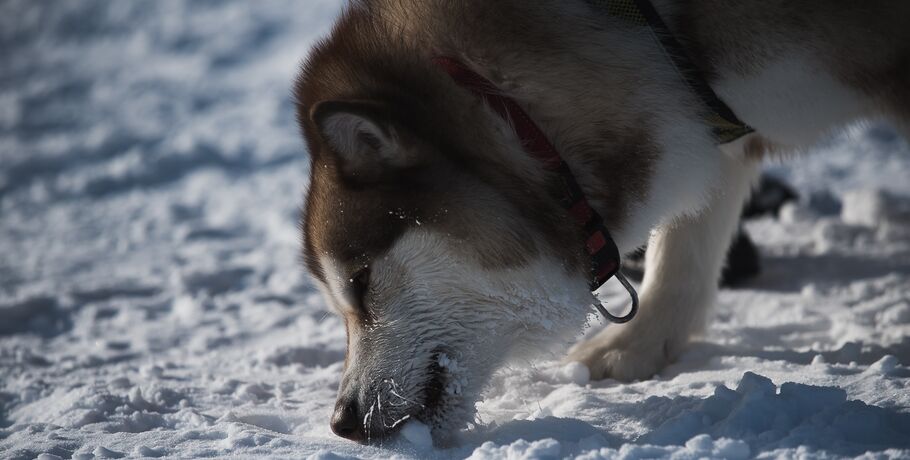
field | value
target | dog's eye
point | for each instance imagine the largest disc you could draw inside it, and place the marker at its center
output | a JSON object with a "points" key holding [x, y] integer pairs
{"points": [[360, 285]]}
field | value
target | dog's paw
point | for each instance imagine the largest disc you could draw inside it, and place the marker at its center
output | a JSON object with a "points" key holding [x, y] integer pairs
{"points": [[624, 356]]}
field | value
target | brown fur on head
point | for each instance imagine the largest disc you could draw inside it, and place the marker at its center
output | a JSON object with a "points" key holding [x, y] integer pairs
{"points": [[448, 136], [415, 217]]}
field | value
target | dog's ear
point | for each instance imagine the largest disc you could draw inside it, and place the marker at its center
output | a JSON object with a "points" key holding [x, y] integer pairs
{"points": [[364, 138]]}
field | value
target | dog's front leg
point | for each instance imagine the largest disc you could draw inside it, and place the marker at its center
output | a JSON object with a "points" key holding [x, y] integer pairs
{"points": [[683, 263]]}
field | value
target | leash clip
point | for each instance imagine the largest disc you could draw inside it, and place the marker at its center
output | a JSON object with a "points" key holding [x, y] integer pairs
{"points": [[628, 316]]}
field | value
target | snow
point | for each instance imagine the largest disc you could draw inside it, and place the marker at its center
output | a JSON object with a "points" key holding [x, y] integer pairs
{"points": [[575, 372], [152, 303], [417, 434]]}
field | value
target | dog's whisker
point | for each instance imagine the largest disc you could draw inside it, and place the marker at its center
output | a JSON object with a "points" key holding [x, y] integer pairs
{"points": [[403, 401], [406, 400], [367, 418], [379, 407], [398, 422]]}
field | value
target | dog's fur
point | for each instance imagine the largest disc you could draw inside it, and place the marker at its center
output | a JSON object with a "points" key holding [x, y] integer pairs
{"points": [[443, 244]]}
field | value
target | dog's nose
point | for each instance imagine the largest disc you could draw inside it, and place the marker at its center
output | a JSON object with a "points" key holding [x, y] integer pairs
{"points": [[346, 420]]}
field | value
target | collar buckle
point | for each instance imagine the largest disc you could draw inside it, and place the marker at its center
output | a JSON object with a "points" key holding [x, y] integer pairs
{"points": [[632, 311]]}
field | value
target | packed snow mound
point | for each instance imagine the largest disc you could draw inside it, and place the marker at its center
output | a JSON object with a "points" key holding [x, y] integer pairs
{"points": [[793, 416], [152, 303], [757, 416], [701, 446]]}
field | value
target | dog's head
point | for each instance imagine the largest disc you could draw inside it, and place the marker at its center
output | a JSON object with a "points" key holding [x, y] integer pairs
{"points": [[440, 262]]}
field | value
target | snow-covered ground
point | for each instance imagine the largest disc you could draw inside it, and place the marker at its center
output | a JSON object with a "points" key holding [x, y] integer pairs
{"points": [[152, 303]]}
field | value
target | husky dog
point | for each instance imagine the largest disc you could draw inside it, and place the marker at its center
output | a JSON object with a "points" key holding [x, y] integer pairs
{"points": [[443, 244]]}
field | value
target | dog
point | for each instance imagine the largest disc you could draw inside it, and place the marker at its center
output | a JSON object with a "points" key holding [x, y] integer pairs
{"points": [[444, 245]]}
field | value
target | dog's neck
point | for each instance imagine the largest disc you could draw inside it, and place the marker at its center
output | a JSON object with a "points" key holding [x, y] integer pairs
{"points": [[603, 107], [599, 244]]}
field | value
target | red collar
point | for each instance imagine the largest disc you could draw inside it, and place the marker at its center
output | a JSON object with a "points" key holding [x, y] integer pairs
{"points": [[605, 261]]}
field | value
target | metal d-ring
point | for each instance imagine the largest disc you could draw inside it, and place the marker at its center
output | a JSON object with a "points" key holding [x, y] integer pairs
{"points": [[628, 316]]}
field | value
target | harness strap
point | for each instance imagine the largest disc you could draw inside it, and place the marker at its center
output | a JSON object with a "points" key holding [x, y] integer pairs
{"points": [[725, 125]]}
